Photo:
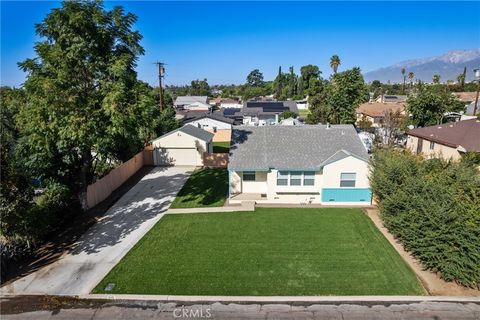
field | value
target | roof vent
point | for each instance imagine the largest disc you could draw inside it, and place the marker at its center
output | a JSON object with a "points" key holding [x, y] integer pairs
{"points": [[328, 125]]}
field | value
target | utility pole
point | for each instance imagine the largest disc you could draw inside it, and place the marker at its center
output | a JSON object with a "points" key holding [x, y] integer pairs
{"points": [[161, 72]]}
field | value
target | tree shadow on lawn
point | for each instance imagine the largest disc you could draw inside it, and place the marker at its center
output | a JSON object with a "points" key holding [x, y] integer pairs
{"points": [[205, 187]]}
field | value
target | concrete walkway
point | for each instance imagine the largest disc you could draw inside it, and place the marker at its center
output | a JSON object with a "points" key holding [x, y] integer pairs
{"points": [[105, 243], [245, 206]]}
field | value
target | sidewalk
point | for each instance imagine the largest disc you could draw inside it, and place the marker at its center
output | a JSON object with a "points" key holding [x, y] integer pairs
{"points": [[245, 206]]}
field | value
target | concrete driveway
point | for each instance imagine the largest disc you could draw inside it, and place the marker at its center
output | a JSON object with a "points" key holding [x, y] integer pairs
{"points": [[105, 243]]}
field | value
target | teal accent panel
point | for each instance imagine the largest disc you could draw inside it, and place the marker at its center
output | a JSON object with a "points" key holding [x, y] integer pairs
{"points": [[346, 195]]}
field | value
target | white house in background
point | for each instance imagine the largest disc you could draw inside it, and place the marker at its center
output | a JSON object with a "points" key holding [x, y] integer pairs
{"points": [[230, 103], [298, 164], [215, 123], [390, 98], [302, 104], [182, 147], [181, 102]]}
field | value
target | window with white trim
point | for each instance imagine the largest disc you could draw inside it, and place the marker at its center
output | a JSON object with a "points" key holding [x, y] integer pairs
{"points": [[249, 176], [347, 180], [295, 178]]}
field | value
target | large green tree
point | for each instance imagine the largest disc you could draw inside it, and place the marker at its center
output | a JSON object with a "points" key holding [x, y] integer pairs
{"points": [[429, 105], [255, 78], [84, 102], [199, 88]]}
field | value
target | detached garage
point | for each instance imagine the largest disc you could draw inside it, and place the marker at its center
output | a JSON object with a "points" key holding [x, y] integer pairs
{"points": [[182, 147]]}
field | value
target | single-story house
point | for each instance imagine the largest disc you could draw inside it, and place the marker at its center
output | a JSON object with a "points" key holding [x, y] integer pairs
{"points": [[260, 113], [230, 103], [184, 146], [215, 123], [449, 141], [323, 164], [375, 111], [182, 102]]}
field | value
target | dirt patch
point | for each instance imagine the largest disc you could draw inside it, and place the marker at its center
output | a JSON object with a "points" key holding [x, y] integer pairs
{"points": [[432, 281]]}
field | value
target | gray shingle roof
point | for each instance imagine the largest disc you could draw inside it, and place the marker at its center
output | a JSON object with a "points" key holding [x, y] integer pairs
{"points": [[191, 130], [185, 100], [189, 117], [292, 147]]}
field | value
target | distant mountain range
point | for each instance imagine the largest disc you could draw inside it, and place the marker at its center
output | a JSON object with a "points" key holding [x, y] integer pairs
{"points": [[448, 66]]}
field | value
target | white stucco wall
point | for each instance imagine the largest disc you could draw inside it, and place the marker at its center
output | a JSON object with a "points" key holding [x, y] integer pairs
{"points": [[180, 140], [438, 150], [329, 177], [332, 172]]}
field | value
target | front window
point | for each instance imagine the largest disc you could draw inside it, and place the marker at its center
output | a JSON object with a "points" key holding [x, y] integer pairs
{"points": [[432, 145], [308, 178], [249, 176], [347, 180], [295, 178], [282, 178]]}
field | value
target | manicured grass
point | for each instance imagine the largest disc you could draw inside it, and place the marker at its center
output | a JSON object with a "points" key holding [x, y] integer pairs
{"points": [[221, 147], [271, 251], [204, 188]]}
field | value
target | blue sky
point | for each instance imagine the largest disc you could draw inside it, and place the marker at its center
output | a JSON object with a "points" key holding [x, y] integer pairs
{"points": [[224, 41]]}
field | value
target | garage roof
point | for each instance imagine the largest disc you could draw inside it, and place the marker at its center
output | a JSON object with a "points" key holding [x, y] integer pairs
{"points": [[192, 131]]}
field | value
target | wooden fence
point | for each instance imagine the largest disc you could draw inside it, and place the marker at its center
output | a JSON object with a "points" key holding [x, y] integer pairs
{"points": [[101, 189], [215, 160]]}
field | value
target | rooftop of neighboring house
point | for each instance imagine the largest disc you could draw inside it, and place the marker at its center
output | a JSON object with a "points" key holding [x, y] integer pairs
{"points": [[192, 116], [291, 122], [466, 96], [191, 130], [270, 107], [186, 100], [378, 109], [307, 147], [389, 98], [461, 134]]}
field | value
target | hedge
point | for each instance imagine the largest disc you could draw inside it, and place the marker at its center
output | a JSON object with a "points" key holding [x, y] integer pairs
{"points": [[433, 208]]}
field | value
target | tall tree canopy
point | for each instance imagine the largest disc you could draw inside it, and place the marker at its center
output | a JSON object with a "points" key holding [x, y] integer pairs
{"points": [[84, 103], [335, 62], [255, 78], [200, 88], [428, 106]]}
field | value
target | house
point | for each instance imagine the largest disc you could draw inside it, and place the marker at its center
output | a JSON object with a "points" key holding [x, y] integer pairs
{"points": [[449, 141], [323, 164], [182, 102], [184, 146], [215, 123], [389, 98], [375, 111], [291, 122], [230, 103], [469, 99], [261, 113], [302, 104]]}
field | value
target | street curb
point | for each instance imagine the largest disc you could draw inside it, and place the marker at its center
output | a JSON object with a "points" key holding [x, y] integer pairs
{"points": [[291, 300]]}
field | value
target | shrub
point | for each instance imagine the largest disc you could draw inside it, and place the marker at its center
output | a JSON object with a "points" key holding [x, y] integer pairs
{"points": [[433, 208]]}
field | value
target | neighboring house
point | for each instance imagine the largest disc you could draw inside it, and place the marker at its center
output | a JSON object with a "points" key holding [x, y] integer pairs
{"points": [[298, 164], [261, 113], [215, 123], [388, 98], [182, 147], [198, 106], [375, 111], [181, 102], [291, 122], [469, 99], [302, 104], [449, 141], [230, 103]]}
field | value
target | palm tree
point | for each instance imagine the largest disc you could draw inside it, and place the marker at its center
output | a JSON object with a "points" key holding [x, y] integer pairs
{"points": [[404, 78], [335, 62], [461, 79], [411, 75], [436, 79]]}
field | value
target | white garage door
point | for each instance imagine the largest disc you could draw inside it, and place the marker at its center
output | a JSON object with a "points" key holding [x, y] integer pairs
{"points": [[176, 157]]}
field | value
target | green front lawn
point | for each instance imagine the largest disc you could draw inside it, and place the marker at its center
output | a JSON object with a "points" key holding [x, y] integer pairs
{"points": [[295, 251], [204, 188], [303, 112], [221, 147]]}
